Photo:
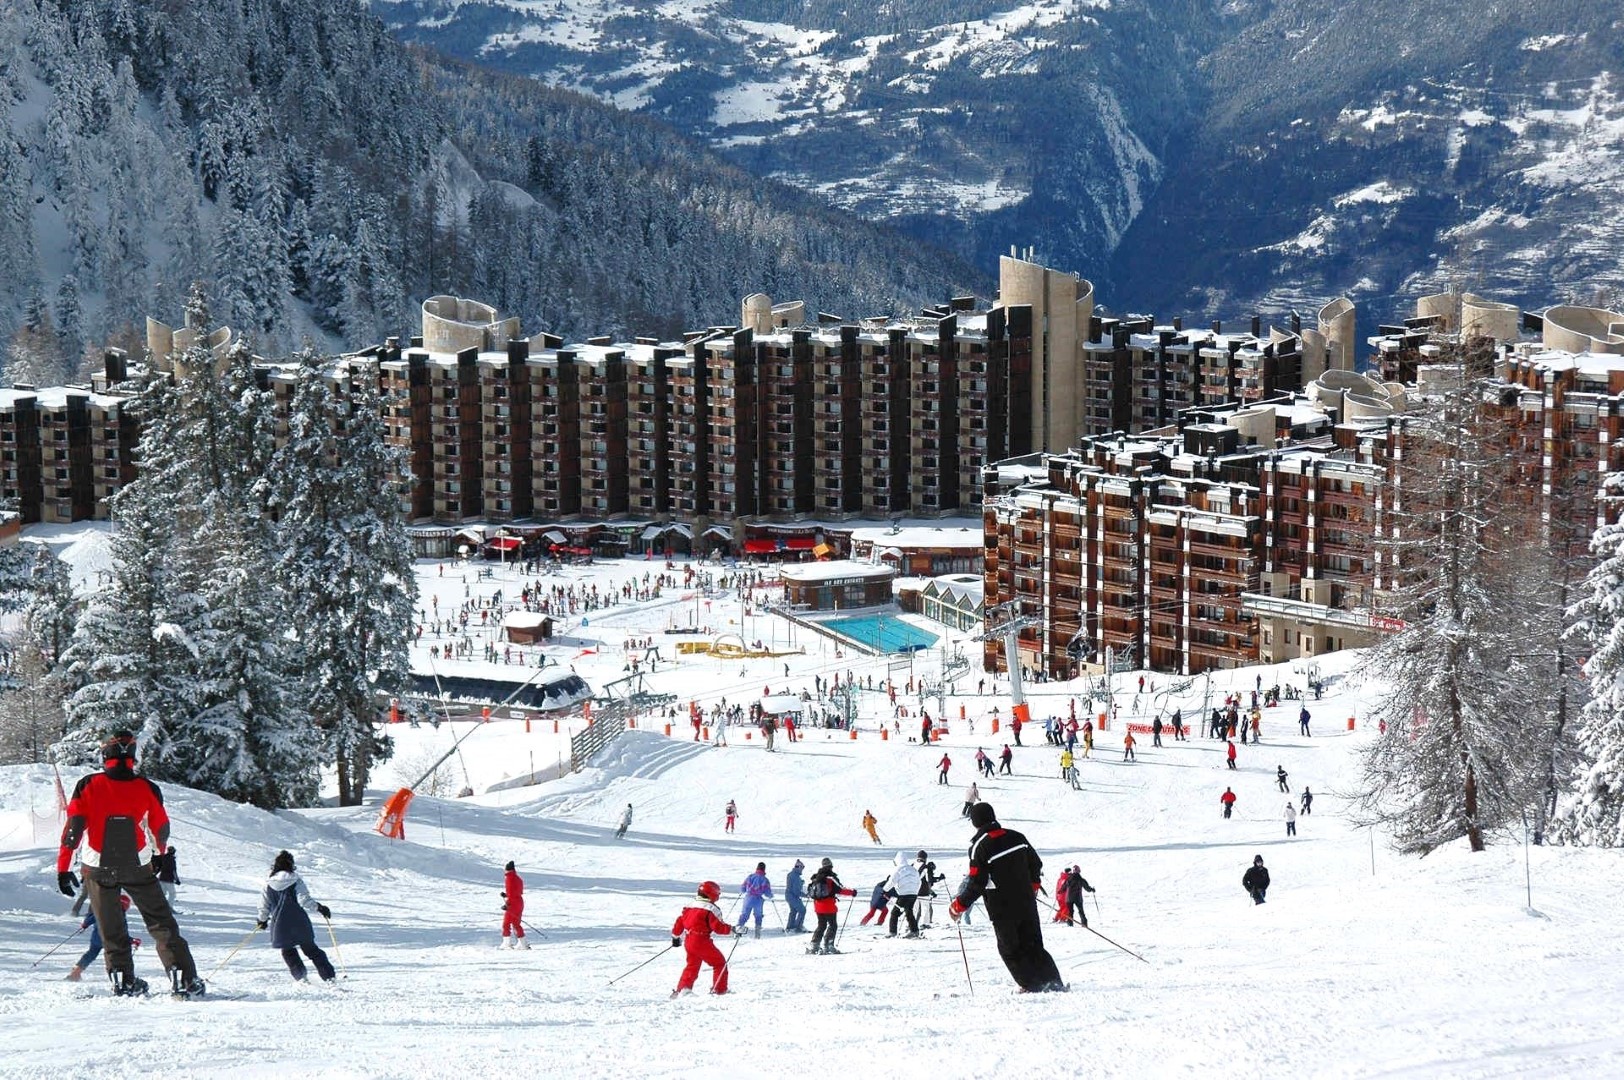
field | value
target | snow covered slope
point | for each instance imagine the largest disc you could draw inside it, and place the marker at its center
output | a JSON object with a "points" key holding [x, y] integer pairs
{"points": [[1360, 964]]}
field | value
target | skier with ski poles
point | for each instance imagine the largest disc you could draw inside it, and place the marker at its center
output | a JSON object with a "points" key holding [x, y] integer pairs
{"points": [[512, 909], [794, 889], [113, 814], [284, 909], [757, 889], [1006, 875], [871, 823], [693, 929], [826, 890], [1076, 886], [625, 822]]}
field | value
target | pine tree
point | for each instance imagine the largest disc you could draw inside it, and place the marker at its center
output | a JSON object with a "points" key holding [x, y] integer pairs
{"points": [[70, 330], [346, 564], [1596, 814], [1466, 742], [52, 610]]}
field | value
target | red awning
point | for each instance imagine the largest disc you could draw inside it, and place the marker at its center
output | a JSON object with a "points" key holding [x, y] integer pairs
{"points": [[505, 543], [760, 547], [800, 543]]}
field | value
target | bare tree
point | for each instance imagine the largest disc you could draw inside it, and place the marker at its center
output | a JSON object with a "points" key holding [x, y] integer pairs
{"points": [[1467, 738], [31, 714]]}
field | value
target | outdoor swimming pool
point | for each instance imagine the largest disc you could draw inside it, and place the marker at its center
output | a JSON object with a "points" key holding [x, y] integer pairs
{"points": [[887, 633]]}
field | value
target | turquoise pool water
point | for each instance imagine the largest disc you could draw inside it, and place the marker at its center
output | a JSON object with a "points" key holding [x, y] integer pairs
{"points": [[886, 633]]}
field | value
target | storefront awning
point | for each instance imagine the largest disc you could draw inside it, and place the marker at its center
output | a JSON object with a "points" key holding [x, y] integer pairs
{"points": [[760, 547], [505, 543], [554, 536]]}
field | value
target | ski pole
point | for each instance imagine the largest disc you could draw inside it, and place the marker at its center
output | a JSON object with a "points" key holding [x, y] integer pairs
{"points": [[841, 929], [540, 933], [57, 946], [233, 952], [728, 959], [966, 956], [781, 923], [336, 950], [639, 967], [1108, 941]]}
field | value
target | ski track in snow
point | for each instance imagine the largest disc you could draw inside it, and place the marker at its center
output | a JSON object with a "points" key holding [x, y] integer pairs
{"points": [[1424, 968]]}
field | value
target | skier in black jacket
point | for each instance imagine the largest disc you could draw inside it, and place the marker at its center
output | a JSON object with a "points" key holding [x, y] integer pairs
{"points": [[1076, 885], [1256, 880], [1006, 874]]}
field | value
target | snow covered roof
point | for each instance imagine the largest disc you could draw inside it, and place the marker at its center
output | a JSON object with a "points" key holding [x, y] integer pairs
{"points": [[524, 620], [835, 570], [920, 536]]}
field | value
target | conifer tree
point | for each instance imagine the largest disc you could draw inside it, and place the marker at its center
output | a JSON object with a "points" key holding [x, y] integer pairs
{"points": [[1595, 815]]}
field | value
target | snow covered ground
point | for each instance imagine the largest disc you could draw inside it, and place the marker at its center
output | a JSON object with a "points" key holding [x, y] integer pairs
{"points": [[1361, 964]]}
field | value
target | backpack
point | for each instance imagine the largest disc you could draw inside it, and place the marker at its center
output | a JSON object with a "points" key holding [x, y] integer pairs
{"points": [[820, 888]]}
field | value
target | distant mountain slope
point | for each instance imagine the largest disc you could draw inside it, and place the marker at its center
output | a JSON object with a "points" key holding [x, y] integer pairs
{"points": [[1192, 156], [323, 180], [1384, 148], [972, 123]]}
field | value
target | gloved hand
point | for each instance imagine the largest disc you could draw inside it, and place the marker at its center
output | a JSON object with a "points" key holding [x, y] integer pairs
{"points": [[135, 943], [67, 883], [675, 942], [325, 911], [1091, 888], [955, 909], [262, 924]]}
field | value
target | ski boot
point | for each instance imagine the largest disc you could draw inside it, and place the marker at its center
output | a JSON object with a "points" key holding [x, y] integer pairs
{"points": [[830, 950], [521, 943], [125, 984], [183, 988], [758, 931]]}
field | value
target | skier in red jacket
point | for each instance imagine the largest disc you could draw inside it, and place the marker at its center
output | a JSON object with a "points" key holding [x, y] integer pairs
{"points": [[513, 909], [697, 923], [119, 819]]}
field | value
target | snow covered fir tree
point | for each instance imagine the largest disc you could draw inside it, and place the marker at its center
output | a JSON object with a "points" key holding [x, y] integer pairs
{"points": [[260, 595]]}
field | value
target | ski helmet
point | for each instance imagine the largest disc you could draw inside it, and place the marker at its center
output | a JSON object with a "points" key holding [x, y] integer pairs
{"points": [[1257, 860], [827, 864], [709, 890], [923, 855], [119, 750]]}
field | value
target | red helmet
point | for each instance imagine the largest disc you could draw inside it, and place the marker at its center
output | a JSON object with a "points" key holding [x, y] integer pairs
{"points": [[709, 890]]}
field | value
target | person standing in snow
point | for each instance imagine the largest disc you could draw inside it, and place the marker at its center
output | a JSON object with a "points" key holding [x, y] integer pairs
{"points": [[757, 890], [871, 824], [1156, 731], [94, 948], [1280, 778], [283, 907], [877, 902], [1005, 873], [1256, 880], [1302, 721], [1088, 737], [1068, 769], [928, 877], [1228, 799], [1231, 753], [168, 875], [1308, 800], [1076, 886], [1062, 905], [903, 886], [825, 890], [693, 930], [1127, 747], [793, 890], [625, 822], [113, 813], [942, 767], [1291, 819], [732, 814], [1004, 761], [971, 797], [512, 909]]}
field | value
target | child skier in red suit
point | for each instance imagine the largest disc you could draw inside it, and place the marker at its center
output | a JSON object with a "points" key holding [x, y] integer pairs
{"points": [[697, 923], [513, 908]]}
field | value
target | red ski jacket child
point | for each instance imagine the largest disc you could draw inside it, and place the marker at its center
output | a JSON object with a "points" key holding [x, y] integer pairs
{"points": [[512, 903], [694, 927]]}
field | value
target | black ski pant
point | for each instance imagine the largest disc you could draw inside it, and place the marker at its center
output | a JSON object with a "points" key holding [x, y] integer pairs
{"points": [[103, 884], [296, 968], [826, 929], [1020, 944], [904, 905]]}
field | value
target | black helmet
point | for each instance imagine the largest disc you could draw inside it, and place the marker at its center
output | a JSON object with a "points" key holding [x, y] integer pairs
{"points": [[827, 864], [982, 815], [1257, 860], [119, 749], [923, 855]]}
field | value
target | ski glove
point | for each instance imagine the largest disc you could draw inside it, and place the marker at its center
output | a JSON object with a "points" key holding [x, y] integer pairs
{"points": [[325, 911], [675, 942], [67, 883], [262, 924], [1091, 888]]}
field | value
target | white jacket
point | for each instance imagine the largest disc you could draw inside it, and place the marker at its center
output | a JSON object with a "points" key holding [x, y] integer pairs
{"points": [[904, 879], [1291, 812]]}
